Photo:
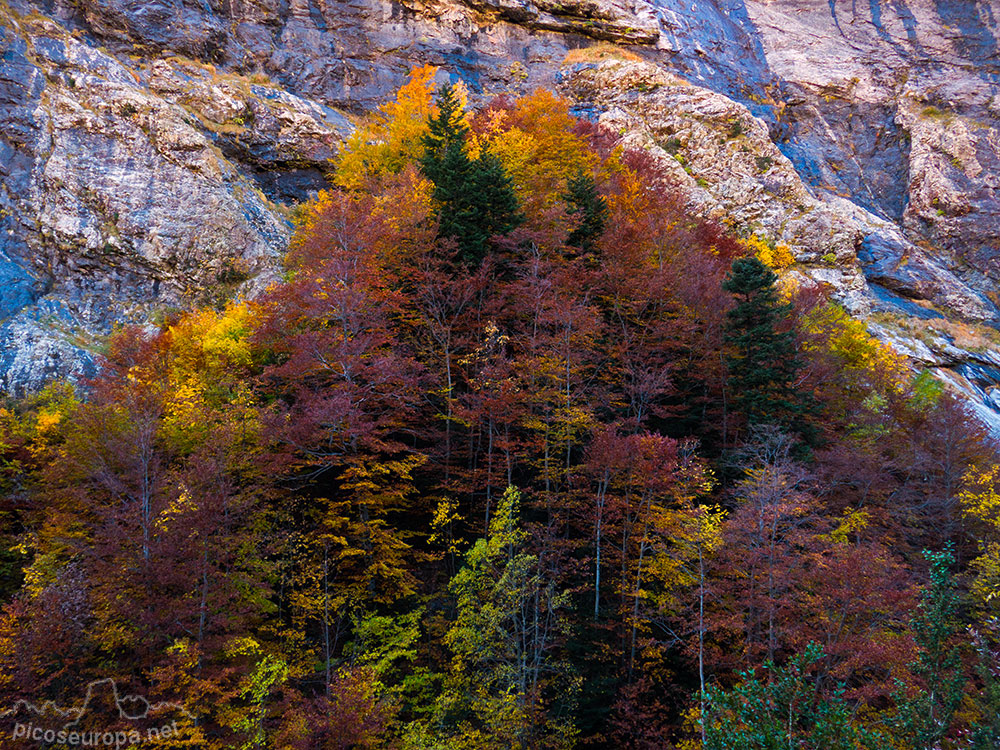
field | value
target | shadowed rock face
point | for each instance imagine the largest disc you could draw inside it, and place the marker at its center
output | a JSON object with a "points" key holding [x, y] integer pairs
{"points": [[892, 103], [149, 149]]}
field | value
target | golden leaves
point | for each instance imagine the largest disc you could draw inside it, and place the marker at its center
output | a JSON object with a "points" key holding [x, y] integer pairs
{"points": [[857, 350], [776, 256], [852, 522], [386, 141], [183, 504], [980, 502]]}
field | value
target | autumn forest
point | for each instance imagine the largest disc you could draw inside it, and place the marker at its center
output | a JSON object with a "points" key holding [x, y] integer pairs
{"points": [[516, 453]]}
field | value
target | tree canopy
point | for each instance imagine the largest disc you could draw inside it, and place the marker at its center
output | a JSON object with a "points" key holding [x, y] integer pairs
{"points": [[511, 456]]}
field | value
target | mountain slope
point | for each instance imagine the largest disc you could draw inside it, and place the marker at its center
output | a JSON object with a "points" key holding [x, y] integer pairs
{"points": [[151, 149]]}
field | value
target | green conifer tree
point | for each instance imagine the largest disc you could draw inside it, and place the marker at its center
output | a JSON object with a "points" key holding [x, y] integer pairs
{"points": [[591, 208], [764, 363], [475, 195]]}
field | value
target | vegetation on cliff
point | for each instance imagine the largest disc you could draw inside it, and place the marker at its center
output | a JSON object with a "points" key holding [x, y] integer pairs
{"points": [[518, 454]]}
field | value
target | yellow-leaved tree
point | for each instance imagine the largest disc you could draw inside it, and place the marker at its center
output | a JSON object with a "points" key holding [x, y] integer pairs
{"points": [[209, 374], [867, 368], [536, 142], [389, 139], [981, 504], [776, 255]]}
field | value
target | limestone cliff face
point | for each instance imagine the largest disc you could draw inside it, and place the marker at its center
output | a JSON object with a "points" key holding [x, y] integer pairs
{"points": [[130, 185], [150, 149]]}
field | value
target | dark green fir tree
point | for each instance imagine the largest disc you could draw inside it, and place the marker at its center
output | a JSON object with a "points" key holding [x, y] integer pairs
{"points": [[475, 195], [590, 209], [763, 364]]}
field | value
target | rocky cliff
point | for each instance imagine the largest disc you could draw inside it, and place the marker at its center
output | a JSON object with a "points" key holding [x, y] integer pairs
{"points": [[150, 151]]}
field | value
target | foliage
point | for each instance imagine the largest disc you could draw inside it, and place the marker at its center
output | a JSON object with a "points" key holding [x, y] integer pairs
{"points": [[295, 514], [764, 365], [925, 715], [785, 709], [386, 141], [509, 617], [775, 256], [474, 195], [591, 208]]}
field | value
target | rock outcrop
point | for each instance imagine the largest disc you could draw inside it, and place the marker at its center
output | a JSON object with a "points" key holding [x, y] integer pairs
{"points": [[119, 193], [150, 151]]}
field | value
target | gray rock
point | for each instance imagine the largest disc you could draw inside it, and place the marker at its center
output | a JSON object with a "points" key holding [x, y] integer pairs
{"points": [[117, 195], [723, 161]]}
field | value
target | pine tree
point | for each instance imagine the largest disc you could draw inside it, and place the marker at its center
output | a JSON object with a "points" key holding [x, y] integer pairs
{"points": [[444, 145], [592, 209], [475, 195], [764, 363]]}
